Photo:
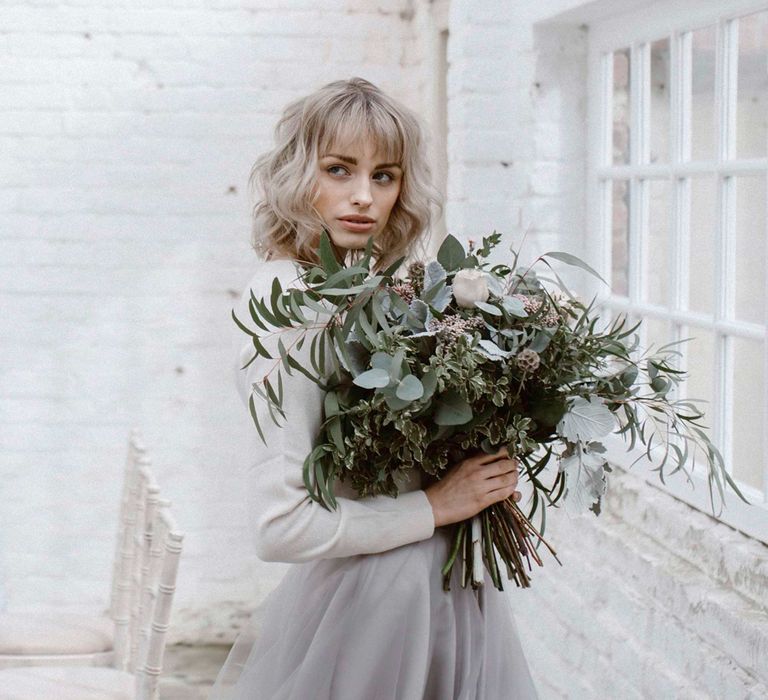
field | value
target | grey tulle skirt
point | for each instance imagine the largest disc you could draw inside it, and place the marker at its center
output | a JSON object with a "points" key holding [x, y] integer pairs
{"points": [[379, 627]]}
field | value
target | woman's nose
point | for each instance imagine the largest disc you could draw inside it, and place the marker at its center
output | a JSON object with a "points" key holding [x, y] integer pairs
{"points": [[361, 194]]}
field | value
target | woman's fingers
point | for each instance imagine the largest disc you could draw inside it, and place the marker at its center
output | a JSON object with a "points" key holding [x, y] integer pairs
{"points": [[502, 481], [487, 459], [499, 467]]}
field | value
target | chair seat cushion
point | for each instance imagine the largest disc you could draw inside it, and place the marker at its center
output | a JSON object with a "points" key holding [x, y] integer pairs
{"points": [[54, 633], [66, 683]]}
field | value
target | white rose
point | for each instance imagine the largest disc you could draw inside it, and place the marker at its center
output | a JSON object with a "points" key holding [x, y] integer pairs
{"points": [[470, 286]]}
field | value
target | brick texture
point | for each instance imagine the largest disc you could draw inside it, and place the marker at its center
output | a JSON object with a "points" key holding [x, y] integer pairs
{"points": [[128, 131]]}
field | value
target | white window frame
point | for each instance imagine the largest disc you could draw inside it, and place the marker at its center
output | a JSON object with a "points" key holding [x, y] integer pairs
{"points": [[436, 37], [637, 29]]}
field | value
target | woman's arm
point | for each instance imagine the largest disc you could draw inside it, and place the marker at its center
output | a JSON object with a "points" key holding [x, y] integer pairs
{"points": [[287, 525]]}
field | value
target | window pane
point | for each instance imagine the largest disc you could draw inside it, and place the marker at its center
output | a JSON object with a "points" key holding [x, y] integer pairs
{"points": [[620, 238], [748, 410], [699, 362], [607, 315], [701, 256], [657, 334], [660, 101], [659, 242], [750, 251], [621, 112], [703, 94], [752, 89]]}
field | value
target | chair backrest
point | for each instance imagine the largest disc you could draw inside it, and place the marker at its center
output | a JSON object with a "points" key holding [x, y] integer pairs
{"points": [[144, 542], [134, 563], [150, 547], [159, 586], [128, 520]]}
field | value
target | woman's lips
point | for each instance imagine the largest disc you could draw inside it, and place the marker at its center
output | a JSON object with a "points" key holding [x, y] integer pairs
{"points": [[356, 226]]}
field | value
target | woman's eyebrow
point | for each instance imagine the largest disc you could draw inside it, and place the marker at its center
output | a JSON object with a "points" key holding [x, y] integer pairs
{"points": [[353, 161]]}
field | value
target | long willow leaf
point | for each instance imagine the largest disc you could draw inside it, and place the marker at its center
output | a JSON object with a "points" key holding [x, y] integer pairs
{"points": [[296, 365], [273, 396], [569, 259], [243, 328], [296, 309], [265, 313], [341, 276], [379, 314], [365, 325], [254, 415], [255, 316], [340, 347]]}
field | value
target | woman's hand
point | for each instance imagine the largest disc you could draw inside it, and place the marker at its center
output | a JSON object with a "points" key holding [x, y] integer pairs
{"points": [[472, 485]]}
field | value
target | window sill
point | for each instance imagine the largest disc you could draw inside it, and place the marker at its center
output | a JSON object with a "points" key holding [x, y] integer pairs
{"points": [[752, 519]]}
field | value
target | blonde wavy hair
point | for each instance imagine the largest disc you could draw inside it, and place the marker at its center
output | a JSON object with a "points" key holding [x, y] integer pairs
{"points": [[285, 222]]}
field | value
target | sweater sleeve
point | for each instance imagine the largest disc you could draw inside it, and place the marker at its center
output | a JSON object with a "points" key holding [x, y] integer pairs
{"points": [[287, 525]]}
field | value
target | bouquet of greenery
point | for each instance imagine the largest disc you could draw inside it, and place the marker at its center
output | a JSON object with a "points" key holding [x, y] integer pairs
{"points": [[417, 370]]}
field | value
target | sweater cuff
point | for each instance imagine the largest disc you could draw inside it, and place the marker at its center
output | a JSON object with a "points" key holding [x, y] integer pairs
{"points": [[418, 506]]}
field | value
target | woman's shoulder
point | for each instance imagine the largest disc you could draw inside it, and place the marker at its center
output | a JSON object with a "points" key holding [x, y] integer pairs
{"points": [[275, 265], [286, 270]]}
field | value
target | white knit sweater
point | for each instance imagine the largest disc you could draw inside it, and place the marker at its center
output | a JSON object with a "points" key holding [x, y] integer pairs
{"points": [[286, 524]]}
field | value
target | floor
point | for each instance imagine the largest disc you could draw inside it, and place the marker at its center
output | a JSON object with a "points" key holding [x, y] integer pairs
{"points": [[189, 671]]}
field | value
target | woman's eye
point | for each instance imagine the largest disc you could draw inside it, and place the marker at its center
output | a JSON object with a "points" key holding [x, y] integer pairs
{"points": [[341, 170]]}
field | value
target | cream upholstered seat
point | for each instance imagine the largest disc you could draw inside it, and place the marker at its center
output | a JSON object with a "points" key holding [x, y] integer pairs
{"points": [[138, 655], [50, 637], [66, 683]]}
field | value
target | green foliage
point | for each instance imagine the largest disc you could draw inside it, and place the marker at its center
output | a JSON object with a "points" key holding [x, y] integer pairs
{"points": [[414, 381], [451, 254]]}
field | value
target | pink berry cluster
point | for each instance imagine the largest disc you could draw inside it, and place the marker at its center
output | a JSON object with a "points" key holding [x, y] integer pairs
{"points": [[533, 306], [405, 291], [451, 327]]}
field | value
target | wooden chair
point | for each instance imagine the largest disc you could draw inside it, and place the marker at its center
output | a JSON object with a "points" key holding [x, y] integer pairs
{"points": [[32, 639], [156, 601], [135, 672]]}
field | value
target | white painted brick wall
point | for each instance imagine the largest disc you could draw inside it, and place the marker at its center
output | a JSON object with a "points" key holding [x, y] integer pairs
{"points": [[127, 134], [516, 126], [647, 601]]}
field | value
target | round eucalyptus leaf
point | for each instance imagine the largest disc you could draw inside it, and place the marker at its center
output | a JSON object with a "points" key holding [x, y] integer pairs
{"points": [[488, 308], [452, 409], [372, 379], [410, 388], [628, 376]]}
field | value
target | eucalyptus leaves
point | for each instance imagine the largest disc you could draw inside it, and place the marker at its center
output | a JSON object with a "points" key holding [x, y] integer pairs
{"points": [[459, 355]]}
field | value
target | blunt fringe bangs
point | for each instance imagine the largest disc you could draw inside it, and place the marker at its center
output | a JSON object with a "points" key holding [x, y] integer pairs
{"points": [[341, 113]]}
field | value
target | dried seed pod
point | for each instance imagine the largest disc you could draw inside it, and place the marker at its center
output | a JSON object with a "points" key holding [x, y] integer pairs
{"points": [[528, 360]]}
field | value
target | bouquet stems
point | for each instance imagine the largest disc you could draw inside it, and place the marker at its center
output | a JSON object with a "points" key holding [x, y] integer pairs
{"points": [[477, 552], [501, 528]]}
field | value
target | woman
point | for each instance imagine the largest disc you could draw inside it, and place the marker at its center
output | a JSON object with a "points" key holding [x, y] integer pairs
{"points": [[362, 615]]}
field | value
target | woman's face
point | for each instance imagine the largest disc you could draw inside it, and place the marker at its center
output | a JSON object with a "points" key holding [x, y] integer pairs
{"points": [[356, 192]]}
